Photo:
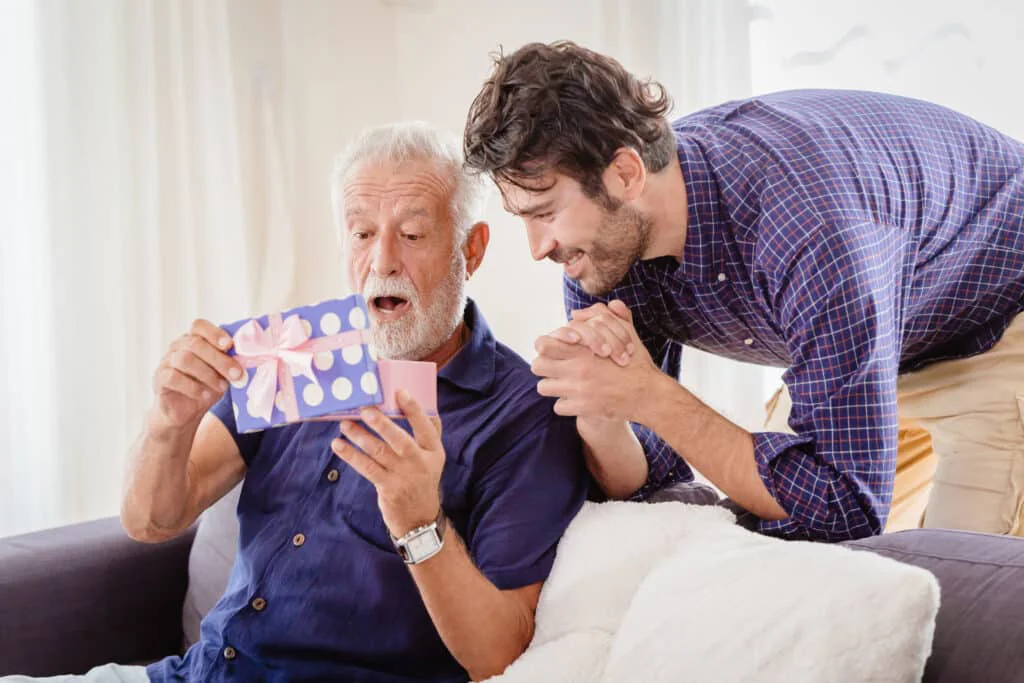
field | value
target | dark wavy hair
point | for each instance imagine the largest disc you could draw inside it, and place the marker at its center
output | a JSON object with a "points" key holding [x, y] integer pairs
{"points": [[562, 107]]}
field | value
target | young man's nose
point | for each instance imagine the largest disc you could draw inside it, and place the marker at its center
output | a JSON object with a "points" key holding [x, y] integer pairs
{"points": [[541, 243]]}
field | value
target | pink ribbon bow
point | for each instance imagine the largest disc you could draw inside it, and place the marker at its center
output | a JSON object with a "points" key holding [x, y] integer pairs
{"points": [[280, 353]]}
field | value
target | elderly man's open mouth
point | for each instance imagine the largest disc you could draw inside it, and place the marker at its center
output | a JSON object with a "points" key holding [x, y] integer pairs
{"points": [[389, 306]]}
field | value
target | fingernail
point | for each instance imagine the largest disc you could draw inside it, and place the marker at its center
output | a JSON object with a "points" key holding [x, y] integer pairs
{"points": [[403, 395], [235, 373], [224, 341], [222, 385], [606, 349], [572, 337], [207, 396], [343, 426], [624, 358], [630, 348]]}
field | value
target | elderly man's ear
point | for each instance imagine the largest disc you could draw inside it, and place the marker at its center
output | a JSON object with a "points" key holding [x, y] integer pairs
{"points": [[476, 246]]}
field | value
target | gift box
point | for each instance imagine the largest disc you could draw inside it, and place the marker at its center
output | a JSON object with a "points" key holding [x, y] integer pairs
{"points": [[419, 378], [314, 363]]}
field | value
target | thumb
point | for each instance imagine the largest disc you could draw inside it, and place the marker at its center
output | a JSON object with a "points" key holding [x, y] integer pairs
{"points": [[619, 308]]}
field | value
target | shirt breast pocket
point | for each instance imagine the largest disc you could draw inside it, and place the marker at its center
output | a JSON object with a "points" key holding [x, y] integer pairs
{"points": [[361, 511]]}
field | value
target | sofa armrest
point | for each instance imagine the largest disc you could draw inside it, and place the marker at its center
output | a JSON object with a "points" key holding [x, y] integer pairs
{"points": [[979, 629], [82, 595]]}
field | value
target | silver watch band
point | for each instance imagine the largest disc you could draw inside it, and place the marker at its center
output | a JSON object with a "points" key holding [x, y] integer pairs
{"points": [[437, 527]]}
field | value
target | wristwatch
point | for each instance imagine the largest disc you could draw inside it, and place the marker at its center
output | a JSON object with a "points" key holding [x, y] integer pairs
{"points": [[422, 543]]}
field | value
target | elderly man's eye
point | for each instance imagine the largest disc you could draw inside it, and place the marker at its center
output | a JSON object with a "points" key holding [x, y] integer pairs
{"points": [[360, 235], [412, 237]]}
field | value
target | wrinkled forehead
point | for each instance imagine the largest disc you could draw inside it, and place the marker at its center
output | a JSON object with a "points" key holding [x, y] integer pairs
{"points": [[380, 190]]}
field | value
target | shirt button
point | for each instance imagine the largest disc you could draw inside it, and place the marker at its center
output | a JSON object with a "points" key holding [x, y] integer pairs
{"points": [[298, 539], [722, 277], [748, 341], [332, 476], [259, 604], [229, 653]]}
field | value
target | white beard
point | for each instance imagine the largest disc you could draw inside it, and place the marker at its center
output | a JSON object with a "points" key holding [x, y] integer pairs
{"points": [[423, 329]]}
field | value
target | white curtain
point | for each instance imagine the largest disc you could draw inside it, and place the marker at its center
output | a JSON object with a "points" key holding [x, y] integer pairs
{"points": [[132, 219], [28, 475]]}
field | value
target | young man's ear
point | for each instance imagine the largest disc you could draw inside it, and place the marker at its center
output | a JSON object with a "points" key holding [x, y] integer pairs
{"points": [[476, 246], [626, 175]]}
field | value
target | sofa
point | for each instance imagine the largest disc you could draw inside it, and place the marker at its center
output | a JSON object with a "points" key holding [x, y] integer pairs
{"points": [[86, 594]]}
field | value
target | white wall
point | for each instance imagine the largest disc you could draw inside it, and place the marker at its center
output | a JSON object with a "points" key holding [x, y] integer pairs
{"points": [[967, 56]]}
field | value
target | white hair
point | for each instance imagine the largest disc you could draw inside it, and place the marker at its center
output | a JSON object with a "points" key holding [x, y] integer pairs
{"points": [[413, 141]]}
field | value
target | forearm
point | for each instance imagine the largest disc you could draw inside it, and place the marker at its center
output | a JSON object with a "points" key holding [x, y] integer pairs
{"points": [[156, 500], [720, 450], [613, 455], [484, 628]]}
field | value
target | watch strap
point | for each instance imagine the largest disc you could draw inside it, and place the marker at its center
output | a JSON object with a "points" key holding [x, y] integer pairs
{"points": [[439, 525]]}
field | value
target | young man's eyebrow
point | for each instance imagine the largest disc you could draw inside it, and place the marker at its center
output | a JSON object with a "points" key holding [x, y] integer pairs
{"points": [[530, 210]]}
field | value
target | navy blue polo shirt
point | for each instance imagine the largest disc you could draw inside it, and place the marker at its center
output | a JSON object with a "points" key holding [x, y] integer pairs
{"points": [[318, 592]]}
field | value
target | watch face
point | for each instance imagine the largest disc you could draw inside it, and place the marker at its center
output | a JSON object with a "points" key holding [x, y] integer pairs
{"points": [[423, 545]]}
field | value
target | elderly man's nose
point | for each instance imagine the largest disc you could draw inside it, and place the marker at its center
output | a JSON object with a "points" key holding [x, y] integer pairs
{"points": [[385, 259]]}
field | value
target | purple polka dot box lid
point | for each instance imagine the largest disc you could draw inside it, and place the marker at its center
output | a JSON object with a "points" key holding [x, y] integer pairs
{"points": [[314, 363]]}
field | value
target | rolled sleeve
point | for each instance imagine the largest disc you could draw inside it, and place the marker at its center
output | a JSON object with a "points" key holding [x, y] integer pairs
{"points": [[664, 466], [840, 310]]}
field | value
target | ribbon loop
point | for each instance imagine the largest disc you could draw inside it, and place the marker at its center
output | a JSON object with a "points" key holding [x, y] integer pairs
{"points": [[275, 352]]}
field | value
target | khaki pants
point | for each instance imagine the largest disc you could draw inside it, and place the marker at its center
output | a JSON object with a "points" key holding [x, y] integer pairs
{"points": [[960, 463]]}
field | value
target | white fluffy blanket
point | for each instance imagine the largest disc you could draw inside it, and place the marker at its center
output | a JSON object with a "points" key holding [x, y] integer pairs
{"points": [[675, 592]]}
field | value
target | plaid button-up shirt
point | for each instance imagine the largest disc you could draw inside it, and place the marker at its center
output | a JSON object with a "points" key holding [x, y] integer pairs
{"points": [[848, 237]]}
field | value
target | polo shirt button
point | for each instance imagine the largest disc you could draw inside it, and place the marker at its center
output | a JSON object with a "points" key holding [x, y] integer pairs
{"points": [[298, 539], [259, 604], [332, 476], [229, 653], [748, 341], [722, 277]]}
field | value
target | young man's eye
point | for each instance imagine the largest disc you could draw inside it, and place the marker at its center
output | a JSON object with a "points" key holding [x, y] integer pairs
{"points": [[545, 216], [360, 235]]}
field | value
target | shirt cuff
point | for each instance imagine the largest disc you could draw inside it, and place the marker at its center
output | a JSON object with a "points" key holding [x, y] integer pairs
{"points": [[819, 507], [664, 466]]}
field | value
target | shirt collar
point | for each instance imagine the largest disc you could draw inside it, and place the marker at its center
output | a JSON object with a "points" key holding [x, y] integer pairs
{"points": [[702, 252], [472, 368]]}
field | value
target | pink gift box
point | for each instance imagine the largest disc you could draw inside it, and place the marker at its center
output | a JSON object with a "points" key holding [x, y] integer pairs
{"points": [[416, 377]]}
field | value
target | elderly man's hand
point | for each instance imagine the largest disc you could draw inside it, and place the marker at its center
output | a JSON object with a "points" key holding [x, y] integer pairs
{"points": [[405, 469], [593, 387]]}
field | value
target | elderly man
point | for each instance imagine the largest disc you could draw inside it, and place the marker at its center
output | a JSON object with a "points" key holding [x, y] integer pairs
{"points": [[318, 590]]}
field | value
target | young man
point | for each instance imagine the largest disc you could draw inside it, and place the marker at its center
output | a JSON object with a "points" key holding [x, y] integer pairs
{"points": [[871, 244], [319, 590]]}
